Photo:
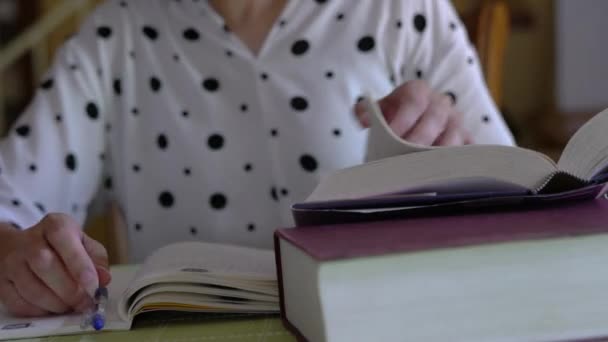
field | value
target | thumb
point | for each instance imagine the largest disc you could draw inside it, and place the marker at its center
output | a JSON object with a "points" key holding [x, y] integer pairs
{"points": [[99, 256]]}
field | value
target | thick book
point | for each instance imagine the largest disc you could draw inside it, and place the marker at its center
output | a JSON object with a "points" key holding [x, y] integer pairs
{"points": [[188, 276], [399, 175], [526, 275]]}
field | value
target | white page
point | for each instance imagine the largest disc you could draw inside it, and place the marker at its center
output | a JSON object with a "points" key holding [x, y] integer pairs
{"points": [[382, 142], [13, 327]]}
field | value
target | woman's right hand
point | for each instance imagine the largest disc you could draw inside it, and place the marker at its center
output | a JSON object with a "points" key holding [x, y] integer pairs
{"points": [[51, 268]]}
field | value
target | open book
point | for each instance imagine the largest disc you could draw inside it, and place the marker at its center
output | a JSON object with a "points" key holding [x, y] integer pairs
{"points": [[397, 171], [188, 276]]}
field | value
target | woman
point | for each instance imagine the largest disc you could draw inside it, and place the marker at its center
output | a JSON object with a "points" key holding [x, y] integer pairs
{"points": [[207, 120]]}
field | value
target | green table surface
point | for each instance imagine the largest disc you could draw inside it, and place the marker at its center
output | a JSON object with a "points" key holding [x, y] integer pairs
{"points": [[179, 327]]}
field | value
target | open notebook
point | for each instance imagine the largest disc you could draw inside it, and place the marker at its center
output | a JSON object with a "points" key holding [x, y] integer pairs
{"points": [[188, 276]]}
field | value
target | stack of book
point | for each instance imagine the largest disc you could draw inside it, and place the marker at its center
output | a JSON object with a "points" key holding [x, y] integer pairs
{"points": [[472, 243]]}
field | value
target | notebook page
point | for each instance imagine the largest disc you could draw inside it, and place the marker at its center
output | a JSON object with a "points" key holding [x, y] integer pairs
{"points": [[209, 259], [13, 327]]}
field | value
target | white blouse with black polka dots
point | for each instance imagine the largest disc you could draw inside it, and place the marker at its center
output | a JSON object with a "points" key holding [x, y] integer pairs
{"points": [[157, 103]]}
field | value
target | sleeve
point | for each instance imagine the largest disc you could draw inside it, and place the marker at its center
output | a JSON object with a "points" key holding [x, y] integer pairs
{"points": [[434, 45], [52, 158]]}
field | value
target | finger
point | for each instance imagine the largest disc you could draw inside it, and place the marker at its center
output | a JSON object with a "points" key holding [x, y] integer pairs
{"points": [[32, 288], [432, 123], [65, 237], [454, 134], [48, 269], [405, 105], [361, 114], [99, 255], [15, 304], [104, 276], [97, 252]]}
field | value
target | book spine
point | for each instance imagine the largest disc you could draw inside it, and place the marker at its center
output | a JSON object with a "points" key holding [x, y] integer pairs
{"points": [[284, 319]]}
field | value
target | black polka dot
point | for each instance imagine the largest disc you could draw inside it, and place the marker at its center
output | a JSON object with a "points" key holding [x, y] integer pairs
{"points": [[485, 118], [16, 202], [40, 207], [329, 74], [452, 26], [107, 183], [155, 84], [102, 156], [33, 168], [73, 67], [150, 32], [229, 53], [191, 34], [337, 132], [359, 99], [162, 141], [218, 201], [104, 32], [71, 162], [226, 28], [136, 168], [166, 199], [215, 141], [392, 79], [187, 171], [470, 60], [58, 117], [23, 130], [264, 76], [248, 167], [117, 87], [176, 57], [366, 44], [244, 107], [418, 74], [300, 47], [211, 84], [284, 192], [299, 103], [282, 23], [134, 111], [193, 230], [321, 1], [92, 111], [274, 132], [273, 194], [308, 163], [419, 22], [398, 24], [185, 113], [47, 84], [138, 226], [123, 4], [339, 16], [251, 227], [132, 54], [452, 96]]}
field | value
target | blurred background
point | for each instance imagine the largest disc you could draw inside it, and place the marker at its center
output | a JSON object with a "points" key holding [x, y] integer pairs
{"points": [[544, 60]]}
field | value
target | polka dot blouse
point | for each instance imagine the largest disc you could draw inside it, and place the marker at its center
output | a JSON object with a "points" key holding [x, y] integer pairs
{"points": [[157, 106]]}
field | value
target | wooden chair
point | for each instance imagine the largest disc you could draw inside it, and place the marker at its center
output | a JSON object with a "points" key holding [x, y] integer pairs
{"points": [[489, 28]]}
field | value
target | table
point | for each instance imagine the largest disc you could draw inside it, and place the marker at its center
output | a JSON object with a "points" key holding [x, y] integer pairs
{"points": [[184, 327]]}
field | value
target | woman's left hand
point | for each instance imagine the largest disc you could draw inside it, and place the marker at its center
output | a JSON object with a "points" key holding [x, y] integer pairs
{"points": [[420, 115]]}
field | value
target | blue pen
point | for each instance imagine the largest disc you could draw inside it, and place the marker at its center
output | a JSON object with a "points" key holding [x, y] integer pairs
{"points": [[97, 317]]}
